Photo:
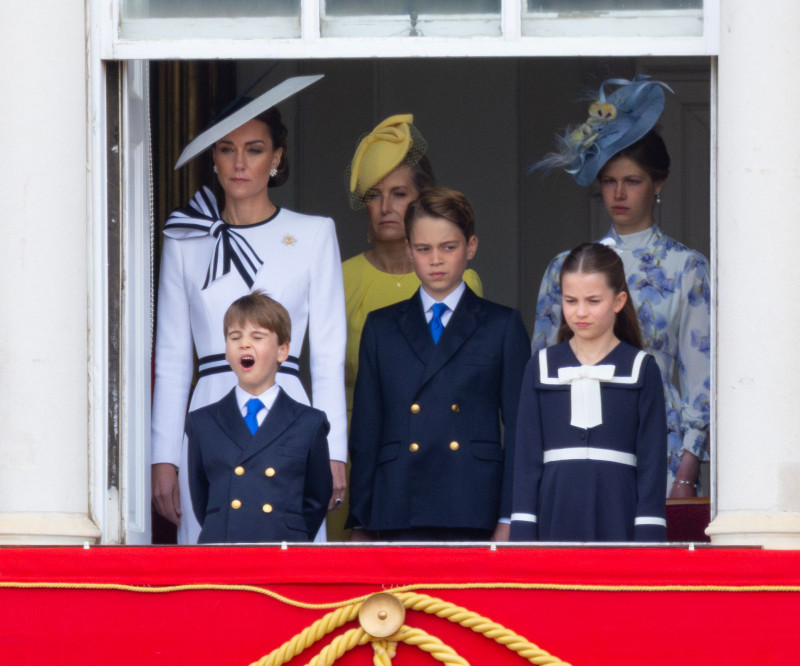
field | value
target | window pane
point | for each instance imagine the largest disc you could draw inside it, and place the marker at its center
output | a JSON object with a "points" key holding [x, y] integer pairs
{"points": [[613, 18], [405, 8], [208, 8], [209, 19], [610, 5], [410, 18]]}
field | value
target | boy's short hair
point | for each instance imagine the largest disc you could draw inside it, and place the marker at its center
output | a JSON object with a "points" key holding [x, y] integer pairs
{"points": [[444, 203], [259, 309]]}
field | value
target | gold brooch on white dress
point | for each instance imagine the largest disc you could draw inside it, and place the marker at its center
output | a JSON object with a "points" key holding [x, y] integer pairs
{"points": [[289, 240]]}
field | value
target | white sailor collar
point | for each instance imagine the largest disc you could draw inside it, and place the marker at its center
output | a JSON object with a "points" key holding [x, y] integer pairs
{"points": [[622, 368], [626, 360]]}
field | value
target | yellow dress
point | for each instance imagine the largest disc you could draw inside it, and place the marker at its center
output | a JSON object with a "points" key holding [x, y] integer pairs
{"points": [[366, 289]]}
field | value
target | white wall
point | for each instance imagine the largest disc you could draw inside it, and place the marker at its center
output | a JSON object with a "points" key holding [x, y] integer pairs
{"points": [[758, 452], [43, 273]]}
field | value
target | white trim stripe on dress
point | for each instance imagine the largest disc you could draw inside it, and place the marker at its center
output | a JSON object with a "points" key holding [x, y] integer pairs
{"points": [[589, 453], [650, 520], [524, 517]]}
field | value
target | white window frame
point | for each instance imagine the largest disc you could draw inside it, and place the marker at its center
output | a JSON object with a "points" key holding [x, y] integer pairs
{"points": [[124, 517], [310, 42]]}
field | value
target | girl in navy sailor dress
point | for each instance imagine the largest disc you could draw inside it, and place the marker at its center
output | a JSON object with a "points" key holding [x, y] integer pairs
{"points": [[591, 443]]}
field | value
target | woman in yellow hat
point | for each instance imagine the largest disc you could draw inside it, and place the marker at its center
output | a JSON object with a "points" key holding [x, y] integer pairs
{"points": [[388, 171]]}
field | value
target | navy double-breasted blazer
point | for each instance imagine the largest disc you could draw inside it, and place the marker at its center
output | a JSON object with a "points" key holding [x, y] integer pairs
{"points": [[425, 434], [271, 486]]}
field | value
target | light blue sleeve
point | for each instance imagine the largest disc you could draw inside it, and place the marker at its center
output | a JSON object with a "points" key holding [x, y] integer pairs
{"points": [[548, 306], [694, 355]]}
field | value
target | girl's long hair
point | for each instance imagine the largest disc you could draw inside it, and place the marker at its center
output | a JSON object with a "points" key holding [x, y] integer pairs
{"points": [[598, 258]]}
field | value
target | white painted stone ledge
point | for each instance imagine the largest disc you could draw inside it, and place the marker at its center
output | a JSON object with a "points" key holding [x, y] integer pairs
{"points": [[47, 529], [772, 530]]}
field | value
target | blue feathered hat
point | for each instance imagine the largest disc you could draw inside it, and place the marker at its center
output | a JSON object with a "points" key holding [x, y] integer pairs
{"points": [[615, 122]]}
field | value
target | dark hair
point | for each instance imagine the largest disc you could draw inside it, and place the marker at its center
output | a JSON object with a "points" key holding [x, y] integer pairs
{"points": [[444, 203], [422, 174], [277, 132], [598, 258], [650, 153], [259, 309]]}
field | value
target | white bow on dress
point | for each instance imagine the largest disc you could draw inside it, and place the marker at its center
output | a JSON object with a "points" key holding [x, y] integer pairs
{"points": [[584, 380]]}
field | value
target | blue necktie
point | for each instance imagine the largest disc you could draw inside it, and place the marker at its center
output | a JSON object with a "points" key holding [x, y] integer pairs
{"points": [[436, 324], [254, 406]]}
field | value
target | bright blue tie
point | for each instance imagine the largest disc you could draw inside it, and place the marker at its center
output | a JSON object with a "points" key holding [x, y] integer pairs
{"points": [[436, 324], [254, 406]]}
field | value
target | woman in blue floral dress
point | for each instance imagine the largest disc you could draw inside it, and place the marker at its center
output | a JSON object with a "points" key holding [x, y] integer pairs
{"points": [[668, 282]]}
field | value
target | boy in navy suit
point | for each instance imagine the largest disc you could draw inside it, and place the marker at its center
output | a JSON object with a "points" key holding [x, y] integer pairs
{"points": [[258, 460], [436, 374]]}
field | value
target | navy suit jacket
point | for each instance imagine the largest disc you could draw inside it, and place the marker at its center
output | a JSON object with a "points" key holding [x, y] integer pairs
{"points": [[280, 477], [425, 435]]}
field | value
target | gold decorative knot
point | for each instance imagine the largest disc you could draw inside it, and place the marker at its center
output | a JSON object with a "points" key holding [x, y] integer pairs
{"points": [[381, 618]]}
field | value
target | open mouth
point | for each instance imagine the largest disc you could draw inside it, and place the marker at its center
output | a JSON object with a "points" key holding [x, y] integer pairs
{"points": [[247, 361]]}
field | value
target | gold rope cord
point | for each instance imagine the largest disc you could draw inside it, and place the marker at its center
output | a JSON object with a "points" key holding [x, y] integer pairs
{"points": [[384, 648], [478, 624], [556, 587], [417, 637]]}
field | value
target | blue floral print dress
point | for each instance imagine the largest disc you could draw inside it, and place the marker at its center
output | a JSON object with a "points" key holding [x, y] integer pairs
{"points": [[669, 285]]}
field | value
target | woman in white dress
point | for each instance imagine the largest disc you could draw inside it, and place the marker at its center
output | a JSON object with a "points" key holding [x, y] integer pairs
{"points": [[213, 254]]}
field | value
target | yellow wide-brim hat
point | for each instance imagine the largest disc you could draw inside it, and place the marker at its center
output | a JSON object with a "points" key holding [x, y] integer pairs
{"points": [[393, 142]]}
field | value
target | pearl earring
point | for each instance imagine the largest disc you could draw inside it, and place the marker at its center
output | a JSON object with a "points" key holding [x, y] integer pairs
{"points": [[273, 172], [215, 169], [658, 198]]}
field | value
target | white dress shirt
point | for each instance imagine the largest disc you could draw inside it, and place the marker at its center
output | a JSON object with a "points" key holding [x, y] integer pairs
{"points": [[267, 398], [451, 301]]}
